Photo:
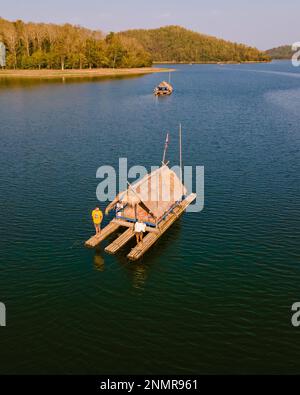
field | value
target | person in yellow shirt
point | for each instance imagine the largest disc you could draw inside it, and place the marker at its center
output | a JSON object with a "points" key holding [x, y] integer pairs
{"points": [[97, 219]]}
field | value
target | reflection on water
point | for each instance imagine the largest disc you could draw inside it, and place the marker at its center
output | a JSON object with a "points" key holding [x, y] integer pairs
{"points": [[138, 271], [139, 275], [26, 82], [99, 262]]}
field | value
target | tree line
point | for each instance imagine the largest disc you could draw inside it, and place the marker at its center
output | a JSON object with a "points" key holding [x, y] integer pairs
{"points": [[52, 46], [41, 45], [177, 44]]}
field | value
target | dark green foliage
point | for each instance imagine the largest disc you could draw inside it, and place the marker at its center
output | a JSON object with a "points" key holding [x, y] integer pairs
{"points": [[176, 44], [283, 52]]}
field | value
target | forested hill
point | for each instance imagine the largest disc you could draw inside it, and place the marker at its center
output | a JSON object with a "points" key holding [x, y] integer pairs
{"points": [[41, 45], [177, 44], [282, 52]]}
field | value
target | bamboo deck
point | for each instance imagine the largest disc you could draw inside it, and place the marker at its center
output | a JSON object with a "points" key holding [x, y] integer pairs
{"points": [[138, 251], [152, 236], [163, 93], [105, 232], [117, 244], [121, 222]]}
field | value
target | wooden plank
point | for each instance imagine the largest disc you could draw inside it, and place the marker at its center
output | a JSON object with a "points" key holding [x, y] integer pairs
{"points": [[105, 232], [120, 241], [138, 251], [122, 222], [131, 225]]}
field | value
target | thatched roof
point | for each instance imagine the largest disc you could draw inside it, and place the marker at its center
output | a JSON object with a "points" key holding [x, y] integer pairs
{"points": [[155, 193], [165, 84]]}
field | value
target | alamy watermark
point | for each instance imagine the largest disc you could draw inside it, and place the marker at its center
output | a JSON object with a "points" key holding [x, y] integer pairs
{"points": [[159, 188], [2, 314], [296, 55], [296, 316]]}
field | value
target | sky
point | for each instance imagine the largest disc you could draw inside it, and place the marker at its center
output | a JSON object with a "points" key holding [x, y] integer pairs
{"points": [[261, 23]]}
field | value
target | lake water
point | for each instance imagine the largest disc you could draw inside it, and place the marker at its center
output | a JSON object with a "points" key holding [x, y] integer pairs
{"points": [[214, 295]]}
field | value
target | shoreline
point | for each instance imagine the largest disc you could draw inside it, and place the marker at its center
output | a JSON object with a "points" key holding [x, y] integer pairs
{"points": [[228, 62], [84, 73]]}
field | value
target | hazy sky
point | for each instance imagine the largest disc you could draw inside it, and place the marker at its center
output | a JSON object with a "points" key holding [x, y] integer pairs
{"points": [[262, 23]]}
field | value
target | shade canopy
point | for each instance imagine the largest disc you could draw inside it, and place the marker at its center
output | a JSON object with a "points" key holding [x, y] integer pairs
{"points": [[152, 196], [165, 84]]}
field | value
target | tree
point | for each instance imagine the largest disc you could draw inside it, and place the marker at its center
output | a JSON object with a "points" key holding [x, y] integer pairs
{"points": [[115, 50], [39, 45]]}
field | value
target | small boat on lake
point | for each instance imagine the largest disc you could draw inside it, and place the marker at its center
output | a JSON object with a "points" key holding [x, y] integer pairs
{"points": [[164, 88]]}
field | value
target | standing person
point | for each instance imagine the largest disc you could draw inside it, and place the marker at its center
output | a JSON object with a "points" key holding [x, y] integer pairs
{"points": [[97, 219], [139, 229]]}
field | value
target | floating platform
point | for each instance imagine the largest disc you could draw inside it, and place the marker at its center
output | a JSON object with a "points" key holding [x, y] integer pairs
{"points": [[153, 234]]}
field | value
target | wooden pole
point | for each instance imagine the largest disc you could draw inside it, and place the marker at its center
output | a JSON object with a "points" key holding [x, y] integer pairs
{"points": [[180, 155], [157, 189], [165, 148], [163, 162]]}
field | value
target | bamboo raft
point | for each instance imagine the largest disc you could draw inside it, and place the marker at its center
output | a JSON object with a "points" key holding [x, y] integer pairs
{"points": [[152, 236], [164, 88], [155, 202]]}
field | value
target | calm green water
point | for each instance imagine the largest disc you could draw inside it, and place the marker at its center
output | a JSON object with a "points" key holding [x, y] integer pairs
{"points": [[214, 295]]}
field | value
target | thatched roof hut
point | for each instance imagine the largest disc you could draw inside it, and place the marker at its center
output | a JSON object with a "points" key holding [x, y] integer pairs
{"points": [[164, 88], [151, 198]]}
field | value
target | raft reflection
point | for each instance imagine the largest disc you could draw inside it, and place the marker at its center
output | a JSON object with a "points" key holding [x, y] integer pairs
{"points": [[99, 262]]}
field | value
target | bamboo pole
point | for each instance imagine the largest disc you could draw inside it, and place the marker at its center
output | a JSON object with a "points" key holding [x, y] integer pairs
{"points": [[180, 157]]}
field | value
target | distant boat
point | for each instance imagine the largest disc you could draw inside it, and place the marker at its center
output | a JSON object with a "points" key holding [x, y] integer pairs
{"points": [[164, 88]]}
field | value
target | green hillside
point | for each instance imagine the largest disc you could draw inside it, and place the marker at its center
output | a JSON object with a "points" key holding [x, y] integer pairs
{"points": [[282, 52], [177, 44]]}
